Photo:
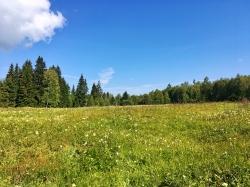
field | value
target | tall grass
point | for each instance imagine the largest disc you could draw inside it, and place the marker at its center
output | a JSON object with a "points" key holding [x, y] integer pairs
{"points": [[172, 145]]}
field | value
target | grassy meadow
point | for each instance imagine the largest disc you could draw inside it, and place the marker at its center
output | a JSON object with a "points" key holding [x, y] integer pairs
{"points": [[170, 145]]}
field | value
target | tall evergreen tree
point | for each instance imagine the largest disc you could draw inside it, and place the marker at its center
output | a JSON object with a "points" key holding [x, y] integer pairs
{"points": [[81, 93], [40, 68], [16, 80], [94, 91], [11, 86], [4, 95], [27, 86], [72, 97], [125, 100], [64, 93], [99, 89], [21, 92]]}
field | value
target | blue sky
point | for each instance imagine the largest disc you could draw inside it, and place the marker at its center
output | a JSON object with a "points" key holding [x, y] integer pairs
{"points": [[140, 45]]}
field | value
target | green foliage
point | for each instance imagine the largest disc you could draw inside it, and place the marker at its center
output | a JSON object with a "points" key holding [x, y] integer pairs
{"points": [[125, 99], [72, 97], [26, 90], [98, 95], [26, 87], [206, 90], [51, 96], [81, 93], [4, 95], [40, 68], [91, 101], [12, 87]]}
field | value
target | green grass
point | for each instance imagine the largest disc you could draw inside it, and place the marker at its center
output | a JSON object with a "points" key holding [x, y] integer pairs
{"points": [[172, 145]]}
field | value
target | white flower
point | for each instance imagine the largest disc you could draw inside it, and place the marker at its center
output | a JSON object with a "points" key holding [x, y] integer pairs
{"points": [[73, 185], [224, 184], [37, 133]]}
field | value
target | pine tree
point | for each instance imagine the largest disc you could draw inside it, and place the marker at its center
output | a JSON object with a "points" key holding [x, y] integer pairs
{"points": [[125, 100], [72, 97], [97, 94], [11, 86], [16, 79], [4, 95], [99, 89], [40, 68], [64, 93], [21, 92], [81, 93], [27, 86], [51, 96]]}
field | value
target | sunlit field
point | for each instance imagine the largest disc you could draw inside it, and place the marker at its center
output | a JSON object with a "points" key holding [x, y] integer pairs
{"points": [[171, 145]]}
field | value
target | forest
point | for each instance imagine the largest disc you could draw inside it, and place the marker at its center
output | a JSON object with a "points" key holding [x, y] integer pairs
{"points": [[39, 86]]}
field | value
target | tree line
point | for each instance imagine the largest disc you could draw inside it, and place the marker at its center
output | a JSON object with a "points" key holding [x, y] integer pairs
{"points": [[46, 87]]}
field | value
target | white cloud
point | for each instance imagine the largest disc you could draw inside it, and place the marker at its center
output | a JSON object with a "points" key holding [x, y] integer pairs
{"points": [[27, 22], [106, 75]]}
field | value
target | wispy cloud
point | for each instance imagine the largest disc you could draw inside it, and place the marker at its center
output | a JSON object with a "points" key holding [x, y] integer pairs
{"points": [[106, 75]]}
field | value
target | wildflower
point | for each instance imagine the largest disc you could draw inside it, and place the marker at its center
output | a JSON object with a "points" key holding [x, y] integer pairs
{"points": [[224, 184], [73, 185], [37, 133]]}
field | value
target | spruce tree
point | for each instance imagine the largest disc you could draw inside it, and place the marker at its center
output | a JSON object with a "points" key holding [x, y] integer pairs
{"points": [[16, 79], [97, 94], [40, 68], [72, 96], [81, 93], [64, 93], [99, 89], [4, 95], [11, 86], [94, 91], [125, 100], [21, 92], [27, 85]]}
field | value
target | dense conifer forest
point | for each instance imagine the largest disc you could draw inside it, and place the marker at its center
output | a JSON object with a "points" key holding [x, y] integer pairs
{"points": [[39, 86]]}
